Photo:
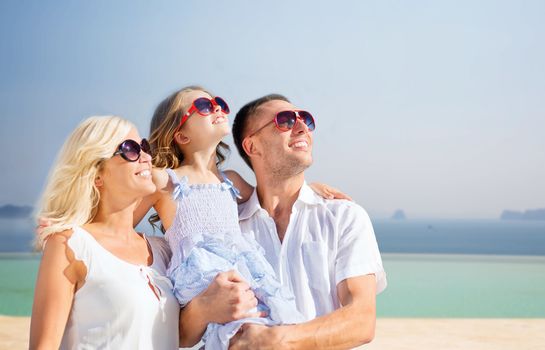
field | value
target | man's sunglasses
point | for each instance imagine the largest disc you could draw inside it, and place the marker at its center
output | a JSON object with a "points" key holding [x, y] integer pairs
{"points": [[205, 106], [285, 121], [130, 150]]}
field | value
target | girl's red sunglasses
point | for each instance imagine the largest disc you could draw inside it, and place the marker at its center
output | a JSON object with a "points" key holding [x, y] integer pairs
{"points": [[205, 106]]}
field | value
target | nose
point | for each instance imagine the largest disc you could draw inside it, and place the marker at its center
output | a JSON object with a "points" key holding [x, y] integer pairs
{"points": [[300, 127], [144, 157], [217, 108]]}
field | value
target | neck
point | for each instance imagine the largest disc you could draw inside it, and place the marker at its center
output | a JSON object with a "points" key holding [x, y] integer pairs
{"points": [[277, 196], [202, 160], [116, 218]]}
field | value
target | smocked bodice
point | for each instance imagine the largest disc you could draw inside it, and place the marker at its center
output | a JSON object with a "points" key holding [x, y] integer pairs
{"points": [[201, 209]]}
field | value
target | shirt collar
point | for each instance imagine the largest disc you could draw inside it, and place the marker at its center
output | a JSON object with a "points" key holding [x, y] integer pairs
{"points": [[308, 196], [252, 205]]}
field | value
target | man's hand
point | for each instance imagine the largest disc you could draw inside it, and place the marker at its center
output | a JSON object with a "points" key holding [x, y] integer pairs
{"points": [[228, 298], [350, 326], [253, 336]]}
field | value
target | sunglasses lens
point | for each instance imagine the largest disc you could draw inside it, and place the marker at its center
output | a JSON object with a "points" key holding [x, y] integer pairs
{"points": [[130, 150], [145, 146], [308, 120], [223, 105], [285, 120], [203, 105]]}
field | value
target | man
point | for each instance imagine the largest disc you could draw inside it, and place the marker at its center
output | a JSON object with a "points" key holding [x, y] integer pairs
{"points": [[325, 251]]}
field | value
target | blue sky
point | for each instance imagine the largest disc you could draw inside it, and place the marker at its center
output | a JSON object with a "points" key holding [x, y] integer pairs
{"points": [[435, 107]]}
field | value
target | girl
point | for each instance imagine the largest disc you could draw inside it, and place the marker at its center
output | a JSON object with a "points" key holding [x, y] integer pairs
{"points": [[197, 206]]}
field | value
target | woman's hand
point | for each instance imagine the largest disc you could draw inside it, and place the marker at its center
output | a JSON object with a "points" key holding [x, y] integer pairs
{"points": [[328, 192]]}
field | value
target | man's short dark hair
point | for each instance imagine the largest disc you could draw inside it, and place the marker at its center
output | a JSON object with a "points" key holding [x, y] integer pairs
{"points": [[240, 124]]}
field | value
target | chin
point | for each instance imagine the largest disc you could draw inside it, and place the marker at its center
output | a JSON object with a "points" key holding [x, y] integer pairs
{"points": [[146, 188], [151, 188], [306, 160], [226, 130]]}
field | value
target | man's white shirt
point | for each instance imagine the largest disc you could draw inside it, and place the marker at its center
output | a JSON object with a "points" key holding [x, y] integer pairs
{"points": [[326, 242]]}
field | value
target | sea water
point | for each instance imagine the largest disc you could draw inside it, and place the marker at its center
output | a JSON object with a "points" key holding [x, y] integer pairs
{"points": [[440, 268]]}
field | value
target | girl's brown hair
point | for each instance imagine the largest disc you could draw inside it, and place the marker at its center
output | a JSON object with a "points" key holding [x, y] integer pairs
{"points": [[164, 124]]}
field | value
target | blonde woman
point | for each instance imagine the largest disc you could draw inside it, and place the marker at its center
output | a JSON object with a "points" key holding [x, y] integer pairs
{"points": [[100, 283]]}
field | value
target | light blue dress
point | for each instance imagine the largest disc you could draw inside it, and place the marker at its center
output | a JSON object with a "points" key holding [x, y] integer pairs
{"points": [[205, 239]]}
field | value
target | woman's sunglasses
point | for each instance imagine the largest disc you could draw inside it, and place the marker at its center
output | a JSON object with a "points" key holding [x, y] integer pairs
{"points": [[205, 106], [130, 150], [285, 121]]}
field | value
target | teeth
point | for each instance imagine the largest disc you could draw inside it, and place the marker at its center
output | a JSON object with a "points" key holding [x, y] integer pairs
{"points": [[300, 144], [144, 173]]}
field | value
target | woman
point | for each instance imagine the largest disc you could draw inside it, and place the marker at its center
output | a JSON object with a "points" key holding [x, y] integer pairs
{"points": [[100, 283]]}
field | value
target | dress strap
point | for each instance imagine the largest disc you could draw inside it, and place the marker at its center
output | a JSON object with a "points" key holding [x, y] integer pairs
{"points": [[172, 175], [181, 187], [227, 184]]}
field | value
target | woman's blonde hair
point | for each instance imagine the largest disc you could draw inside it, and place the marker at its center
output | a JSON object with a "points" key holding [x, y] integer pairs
{"points": [[71, 197], [164, 124]]}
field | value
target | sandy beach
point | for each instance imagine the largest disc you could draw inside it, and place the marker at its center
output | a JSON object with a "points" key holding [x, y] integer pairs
{"points": [[450, 334], [391, 334], [14, 332]]}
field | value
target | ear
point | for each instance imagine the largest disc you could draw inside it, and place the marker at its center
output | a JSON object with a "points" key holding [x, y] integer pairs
{"points": [[181, 139], [250, 147], [98, 181]]}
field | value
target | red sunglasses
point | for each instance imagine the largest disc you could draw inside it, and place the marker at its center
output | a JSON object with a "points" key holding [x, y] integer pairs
{"points": [[205, 106], [285, 121]]}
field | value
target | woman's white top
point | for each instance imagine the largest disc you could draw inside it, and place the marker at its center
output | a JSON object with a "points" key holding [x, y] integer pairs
{"points": [[121, 305]]}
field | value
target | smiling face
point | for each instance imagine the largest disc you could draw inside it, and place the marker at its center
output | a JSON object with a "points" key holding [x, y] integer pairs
{"points": [[203, 130], [120, 178], [281, 153]]}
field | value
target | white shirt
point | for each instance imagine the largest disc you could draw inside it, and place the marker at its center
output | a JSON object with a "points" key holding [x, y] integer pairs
{"points": [[326, 242], [121, 305]]}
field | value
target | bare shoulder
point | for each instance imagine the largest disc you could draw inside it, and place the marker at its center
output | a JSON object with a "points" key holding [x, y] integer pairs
{"points": [[59, 261], [59, 238], [57, 246], [241, 184]]}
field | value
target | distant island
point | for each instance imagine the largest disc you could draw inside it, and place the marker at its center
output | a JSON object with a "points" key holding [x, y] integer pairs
{"points": [[530, 214], [399, 215], [10, 211]]}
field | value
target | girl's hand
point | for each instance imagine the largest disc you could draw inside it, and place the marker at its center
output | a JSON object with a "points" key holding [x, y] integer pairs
{"points": [[328, 192], [232, 299], [43, 223]]}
